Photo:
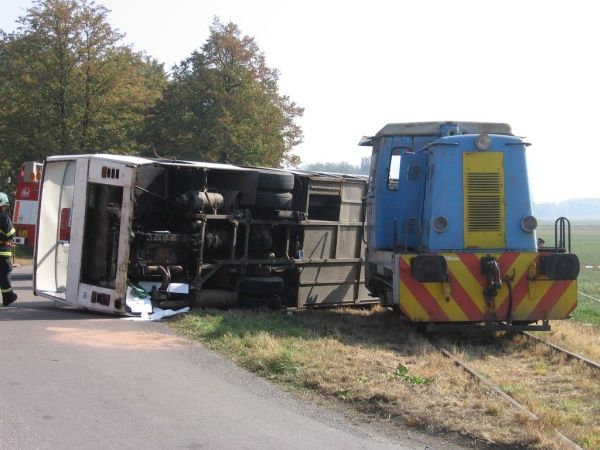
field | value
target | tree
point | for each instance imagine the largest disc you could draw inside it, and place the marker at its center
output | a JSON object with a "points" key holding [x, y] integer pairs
{"points": [[68, 86], [8, 178], [224, 105], [365, 165], [340, 167]]}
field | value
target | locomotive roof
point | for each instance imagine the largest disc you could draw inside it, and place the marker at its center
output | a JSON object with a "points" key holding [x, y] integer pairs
{"points": [[433, 128]]}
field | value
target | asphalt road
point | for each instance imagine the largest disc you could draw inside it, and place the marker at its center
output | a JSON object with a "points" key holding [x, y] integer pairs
{"points": [[71, 379]]}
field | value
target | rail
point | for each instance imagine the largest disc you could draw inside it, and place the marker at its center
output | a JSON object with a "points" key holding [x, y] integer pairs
{"points": [[561, 438], [564, 351]]}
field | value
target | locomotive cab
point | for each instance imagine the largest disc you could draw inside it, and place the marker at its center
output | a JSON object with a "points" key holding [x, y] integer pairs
{"points": [[451, 232]]}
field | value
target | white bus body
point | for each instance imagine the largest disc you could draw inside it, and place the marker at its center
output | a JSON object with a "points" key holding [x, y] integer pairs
{"points": [[199, 234]]}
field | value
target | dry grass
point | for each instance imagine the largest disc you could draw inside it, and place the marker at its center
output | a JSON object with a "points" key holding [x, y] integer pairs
{"points": [[583, 339], [565, 394], [372, 362]]}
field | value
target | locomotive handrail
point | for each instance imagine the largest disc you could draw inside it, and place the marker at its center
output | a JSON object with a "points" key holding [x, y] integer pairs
{"points": [[526, 144], [437, 143], [363, 218], [562, 226]]}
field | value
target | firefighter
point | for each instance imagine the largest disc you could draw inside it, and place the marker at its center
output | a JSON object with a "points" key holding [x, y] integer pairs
{"points": [[7, 233]]}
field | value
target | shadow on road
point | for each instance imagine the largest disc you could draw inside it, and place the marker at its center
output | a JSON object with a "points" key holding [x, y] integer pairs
{"points": [[21, 277], [46, 310]]}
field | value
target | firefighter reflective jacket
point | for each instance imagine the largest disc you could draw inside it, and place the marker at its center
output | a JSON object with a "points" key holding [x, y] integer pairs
{"points": [[7, 232]]}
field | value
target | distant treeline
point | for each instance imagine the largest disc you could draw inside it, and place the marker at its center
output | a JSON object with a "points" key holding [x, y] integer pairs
{"points": [[575, 208], [340, 167]]}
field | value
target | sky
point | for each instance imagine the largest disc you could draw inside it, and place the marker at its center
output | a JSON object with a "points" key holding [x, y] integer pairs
{"points": [[356, 66]]}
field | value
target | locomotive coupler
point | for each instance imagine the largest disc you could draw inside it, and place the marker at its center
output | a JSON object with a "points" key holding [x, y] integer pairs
{"points": [[508, 279], [491, 270]]}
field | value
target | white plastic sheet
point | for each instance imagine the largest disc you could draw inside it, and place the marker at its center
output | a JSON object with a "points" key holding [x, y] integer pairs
{"points": [[137, 301], [162, 313]]}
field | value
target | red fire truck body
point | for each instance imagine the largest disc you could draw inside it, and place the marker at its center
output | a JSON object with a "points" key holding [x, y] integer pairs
{"points": [[26, 203]]}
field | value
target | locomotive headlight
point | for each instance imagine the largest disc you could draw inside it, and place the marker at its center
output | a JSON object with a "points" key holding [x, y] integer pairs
{"points": [[529, 223], [440, 224], [483, 142]]}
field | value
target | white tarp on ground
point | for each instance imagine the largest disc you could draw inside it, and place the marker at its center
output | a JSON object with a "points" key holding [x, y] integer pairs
{"points": [[138, 301], [160, 313]]}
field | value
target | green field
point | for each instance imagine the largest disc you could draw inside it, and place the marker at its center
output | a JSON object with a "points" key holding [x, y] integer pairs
{"points": [[585, 240]]}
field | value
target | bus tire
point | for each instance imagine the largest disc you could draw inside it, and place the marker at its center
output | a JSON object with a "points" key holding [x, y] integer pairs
{"points": [[273, 200], [273, 180]]}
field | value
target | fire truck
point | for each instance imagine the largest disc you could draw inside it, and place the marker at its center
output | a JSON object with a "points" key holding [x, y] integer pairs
{"points": [[26, 203]]}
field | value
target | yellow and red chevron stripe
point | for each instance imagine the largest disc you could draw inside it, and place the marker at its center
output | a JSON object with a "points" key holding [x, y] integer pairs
{"points": [[461, 298]]}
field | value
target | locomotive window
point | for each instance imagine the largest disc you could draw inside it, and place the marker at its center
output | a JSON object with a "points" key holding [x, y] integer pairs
{"points": [[373, 170], [394, 170]]}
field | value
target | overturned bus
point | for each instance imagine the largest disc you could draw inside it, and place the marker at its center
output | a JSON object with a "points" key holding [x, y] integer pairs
{"points": [[197, 234]]}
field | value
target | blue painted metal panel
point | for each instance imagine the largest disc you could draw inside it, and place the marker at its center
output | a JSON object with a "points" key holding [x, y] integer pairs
{"points": [[444, 196], [438, 191], [386, 204], [517, 198], [413, 171], [421, 141], [445, 191]]}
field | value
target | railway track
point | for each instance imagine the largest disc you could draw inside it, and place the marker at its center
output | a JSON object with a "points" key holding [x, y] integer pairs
{"points": [[560, 438], [569, 354], [481, 376]]}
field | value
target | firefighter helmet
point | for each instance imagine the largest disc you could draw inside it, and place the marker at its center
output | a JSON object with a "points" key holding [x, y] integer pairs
{"points": [[3, 199]]}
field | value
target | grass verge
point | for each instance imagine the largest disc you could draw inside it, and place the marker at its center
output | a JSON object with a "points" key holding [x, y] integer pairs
{"points": [[586, 245], [587, 312], [370, 362], [565, 393]]}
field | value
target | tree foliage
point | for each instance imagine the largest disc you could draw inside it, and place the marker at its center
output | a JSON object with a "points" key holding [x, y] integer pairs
{"points": [[224, 105], [68, 86]]}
